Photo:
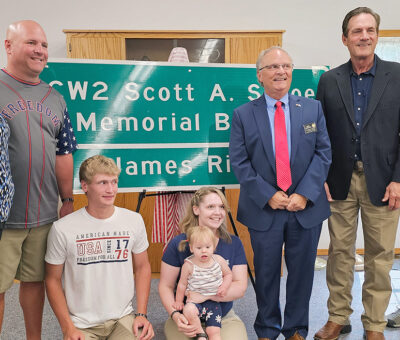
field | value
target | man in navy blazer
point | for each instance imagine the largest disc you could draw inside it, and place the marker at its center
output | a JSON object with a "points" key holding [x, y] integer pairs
{"points": [[275, 218], [361, 103]]}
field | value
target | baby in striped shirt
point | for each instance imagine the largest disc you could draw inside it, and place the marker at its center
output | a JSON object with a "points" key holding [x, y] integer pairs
{"points": [[204, 273]]}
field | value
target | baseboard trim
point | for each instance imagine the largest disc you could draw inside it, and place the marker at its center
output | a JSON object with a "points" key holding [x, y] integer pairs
{"points": [[358, 251]]}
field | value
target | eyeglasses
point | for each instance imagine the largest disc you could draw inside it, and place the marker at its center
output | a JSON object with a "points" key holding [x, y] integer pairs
{"points": [[276, 67]]}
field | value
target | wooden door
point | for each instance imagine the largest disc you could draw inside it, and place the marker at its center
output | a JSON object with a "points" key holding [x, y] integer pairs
{"points": [[92, 46], [245, 50]]}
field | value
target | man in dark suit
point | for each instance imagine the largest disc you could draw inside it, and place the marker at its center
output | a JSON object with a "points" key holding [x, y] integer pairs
{"points": [[281, 165], [361, 103]]}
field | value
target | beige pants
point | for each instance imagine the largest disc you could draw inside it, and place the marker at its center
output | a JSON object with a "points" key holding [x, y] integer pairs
{"points": [[112, 330], [22, 255], [232, 328], [379, 228]]}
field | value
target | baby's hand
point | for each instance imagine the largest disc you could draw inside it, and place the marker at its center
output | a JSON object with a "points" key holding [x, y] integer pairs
{"points": [[178, 305], [222, 291]]}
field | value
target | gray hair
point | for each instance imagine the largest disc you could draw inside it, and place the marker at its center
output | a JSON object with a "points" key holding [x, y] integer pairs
{"points": [[268, 50]]}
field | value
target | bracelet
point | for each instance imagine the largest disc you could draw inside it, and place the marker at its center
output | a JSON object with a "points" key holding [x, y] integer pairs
{"points": [[140, 314], [175, 311], [67, 199]]}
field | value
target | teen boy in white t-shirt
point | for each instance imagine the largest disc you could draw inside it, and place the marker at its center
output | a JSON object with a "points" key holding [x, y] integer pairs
{"points": [[92, 253]]}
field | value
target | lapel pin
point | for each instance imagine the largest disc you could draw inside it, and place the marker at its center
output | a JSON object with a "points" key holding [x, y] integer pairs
{"points": [[299, 105]]}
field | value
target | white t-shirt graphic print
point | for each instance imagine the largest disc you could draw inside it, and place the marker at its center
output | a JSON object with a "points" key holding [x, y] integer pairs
{"points": [[97, 256]]}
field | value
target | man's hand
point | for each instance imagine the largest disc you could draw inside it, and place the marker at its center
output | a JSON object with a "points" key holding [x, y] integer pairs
{"points": [[296, 202], [392, 194], [328, 192], [279, 201], [66, 208], [147, 328]]}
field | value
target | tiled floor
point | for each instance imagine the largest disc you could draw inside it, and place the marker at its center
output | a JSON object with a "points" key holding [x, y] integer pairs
{"points": [[319, 314], [395, 298], [318, 308], [13, 328]]}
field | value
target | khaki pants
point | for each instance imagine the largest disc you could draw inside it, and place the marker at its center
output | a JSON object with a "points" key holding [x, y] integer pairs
{"points": [[22, 254], [232, 328], [379, 228], [112, 330]]}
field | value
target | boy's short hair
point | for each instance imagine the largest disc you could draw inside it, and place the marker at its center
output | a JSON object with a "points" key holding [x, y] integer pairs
{"points": [[97, 164]]}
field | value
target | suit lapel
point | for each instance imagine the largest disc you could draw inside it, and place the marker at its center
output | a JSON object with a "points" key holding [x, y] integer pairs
{"points": [[381, 79], [296, 118], [344, 86], [264, 128]]}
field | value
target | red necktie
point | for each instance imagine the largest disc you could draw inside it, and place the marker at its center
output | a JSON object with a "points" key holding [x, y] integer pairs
{"points": [[283, 175]]}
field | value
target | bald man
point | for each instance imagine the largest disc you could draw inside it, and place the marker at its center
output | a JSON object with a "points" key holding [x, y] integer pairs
{"points": [[40, 150]]}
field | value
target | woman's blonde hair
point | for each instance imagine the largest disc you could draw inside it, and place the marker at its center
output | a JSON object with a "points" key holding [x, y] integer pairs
{"points": [[192, 220], [198, 233]]}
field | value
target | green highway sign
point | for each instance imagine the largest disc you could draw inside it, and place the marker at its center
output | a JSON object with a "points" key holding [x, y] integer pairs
{"points": [[166, 125]]}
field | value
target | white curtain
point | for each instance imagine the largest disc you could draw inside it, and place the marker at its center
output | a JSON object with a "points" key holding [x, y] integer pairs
{"points": [[388, 48]]}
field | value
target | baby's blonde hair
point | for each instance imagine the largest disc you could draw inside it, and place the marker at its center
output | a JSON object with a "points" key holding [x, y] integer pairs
{"points": [[198, 233]]}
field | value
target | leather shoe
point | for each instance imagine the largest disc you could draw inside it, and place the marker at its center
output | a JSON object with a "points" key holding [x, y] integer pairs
{"points": [[332, 331], [373, 335], [264, 339], [295, 336]]}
